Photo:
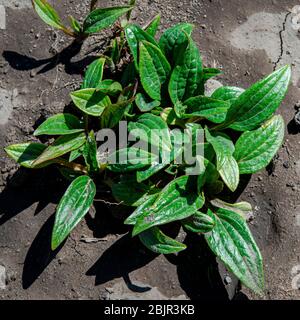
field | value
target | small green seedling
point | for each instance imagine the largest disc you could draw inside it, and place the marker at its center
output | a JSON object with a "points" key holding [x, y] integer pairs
{"points": [[96, 21], [159, 87]]}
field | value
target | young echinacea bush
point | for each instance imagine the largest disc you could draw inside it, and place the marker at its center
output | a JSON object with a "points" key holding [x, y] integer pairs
{"points": [[158, 89]]}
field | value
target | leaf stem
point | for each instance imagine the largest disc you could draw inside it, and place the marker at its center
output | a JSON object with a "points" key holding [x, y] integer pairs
{"points": [[74, 166]]}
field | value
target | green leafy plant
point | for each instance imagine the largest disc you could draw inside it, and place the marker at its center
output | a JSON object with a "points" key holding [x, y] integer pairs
{"points": [[96, 21], [158, 88]]}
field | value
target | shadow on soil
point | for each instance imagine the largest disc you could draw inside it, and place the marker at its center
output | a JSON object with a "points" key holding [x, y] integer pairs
{"points": [[197, 268], [23, 62]]}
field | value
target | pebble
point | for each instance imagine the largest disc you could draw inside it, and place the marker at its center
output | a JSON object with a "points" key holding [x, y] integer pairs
{"points": [[227, 280]]}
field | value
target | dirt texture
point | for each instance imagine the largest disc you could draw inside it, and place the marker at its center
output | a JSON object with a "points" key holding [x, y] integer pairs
{"points": [[100, 260]]}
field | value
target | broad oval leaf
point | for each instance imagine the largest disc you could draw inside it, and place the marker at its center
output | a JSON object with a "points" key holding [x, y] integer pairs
{"points": [[254, 150], [26, 153], [129, 159], [165, 159], [47, 13], [232, 242], [153, 26], [206, 107], [113, 113], [242, 208], [110, 87], [141, 209], [226, 164], [154, 69], [90, 101], [94, 73], [176, 201], [134, 35], [144, 105], [227, 93], [102, 18], [73, 206], [60, 124], [170, 117], [155, 240], [131, 193], [187, 74], [259, 102], [151, 129], [75, 154], [173, 38], [199, 223], [61, 146], [89, 153]]}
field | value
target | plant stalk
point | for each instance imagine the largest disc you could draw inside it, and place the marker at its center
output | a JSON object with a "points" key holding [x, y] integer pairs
{"points": [[74, 166]]}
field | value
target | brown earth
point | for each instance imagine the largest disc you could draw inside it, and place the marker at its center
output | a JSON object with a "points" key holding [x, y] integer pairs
{"points": [[37, 73]]}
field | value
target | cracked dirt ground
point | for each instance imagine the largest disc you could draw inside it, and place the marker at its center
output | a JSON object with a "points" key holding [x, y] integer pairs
{"points": [[247, 39]]}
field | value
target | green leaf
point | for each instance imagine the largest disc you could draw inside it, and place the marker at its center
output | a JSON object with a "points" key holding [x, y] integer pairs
{"points": [[26, 153], [94, 74], [142, 208], [90, 153], [60, 124], [90, 101], [61, 146], [153, 26], [73, 206], [226, 163], [176, 201], [170, 117], [144, 105], [165, 159], [187, 74], [131, 193], [233, 244], [114, 113], [110, 87], [209, 176], [75, 154], [47, 13], [259, 102], [151, 129], [209, 73], [173, 38], [115, 51], [242, 208], [227, 93], [75, 25], [205, 107], [155, 240], [129, 159], [256, 149], [103, 18], [154, 69], [199, 223], [134, 35]]}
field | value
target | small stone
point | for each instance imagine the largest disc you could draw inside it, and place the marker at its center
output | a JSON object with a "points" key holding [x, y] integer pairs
{"points": [[286, 164], [297, 118], [227, 280], [32, 73]]}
